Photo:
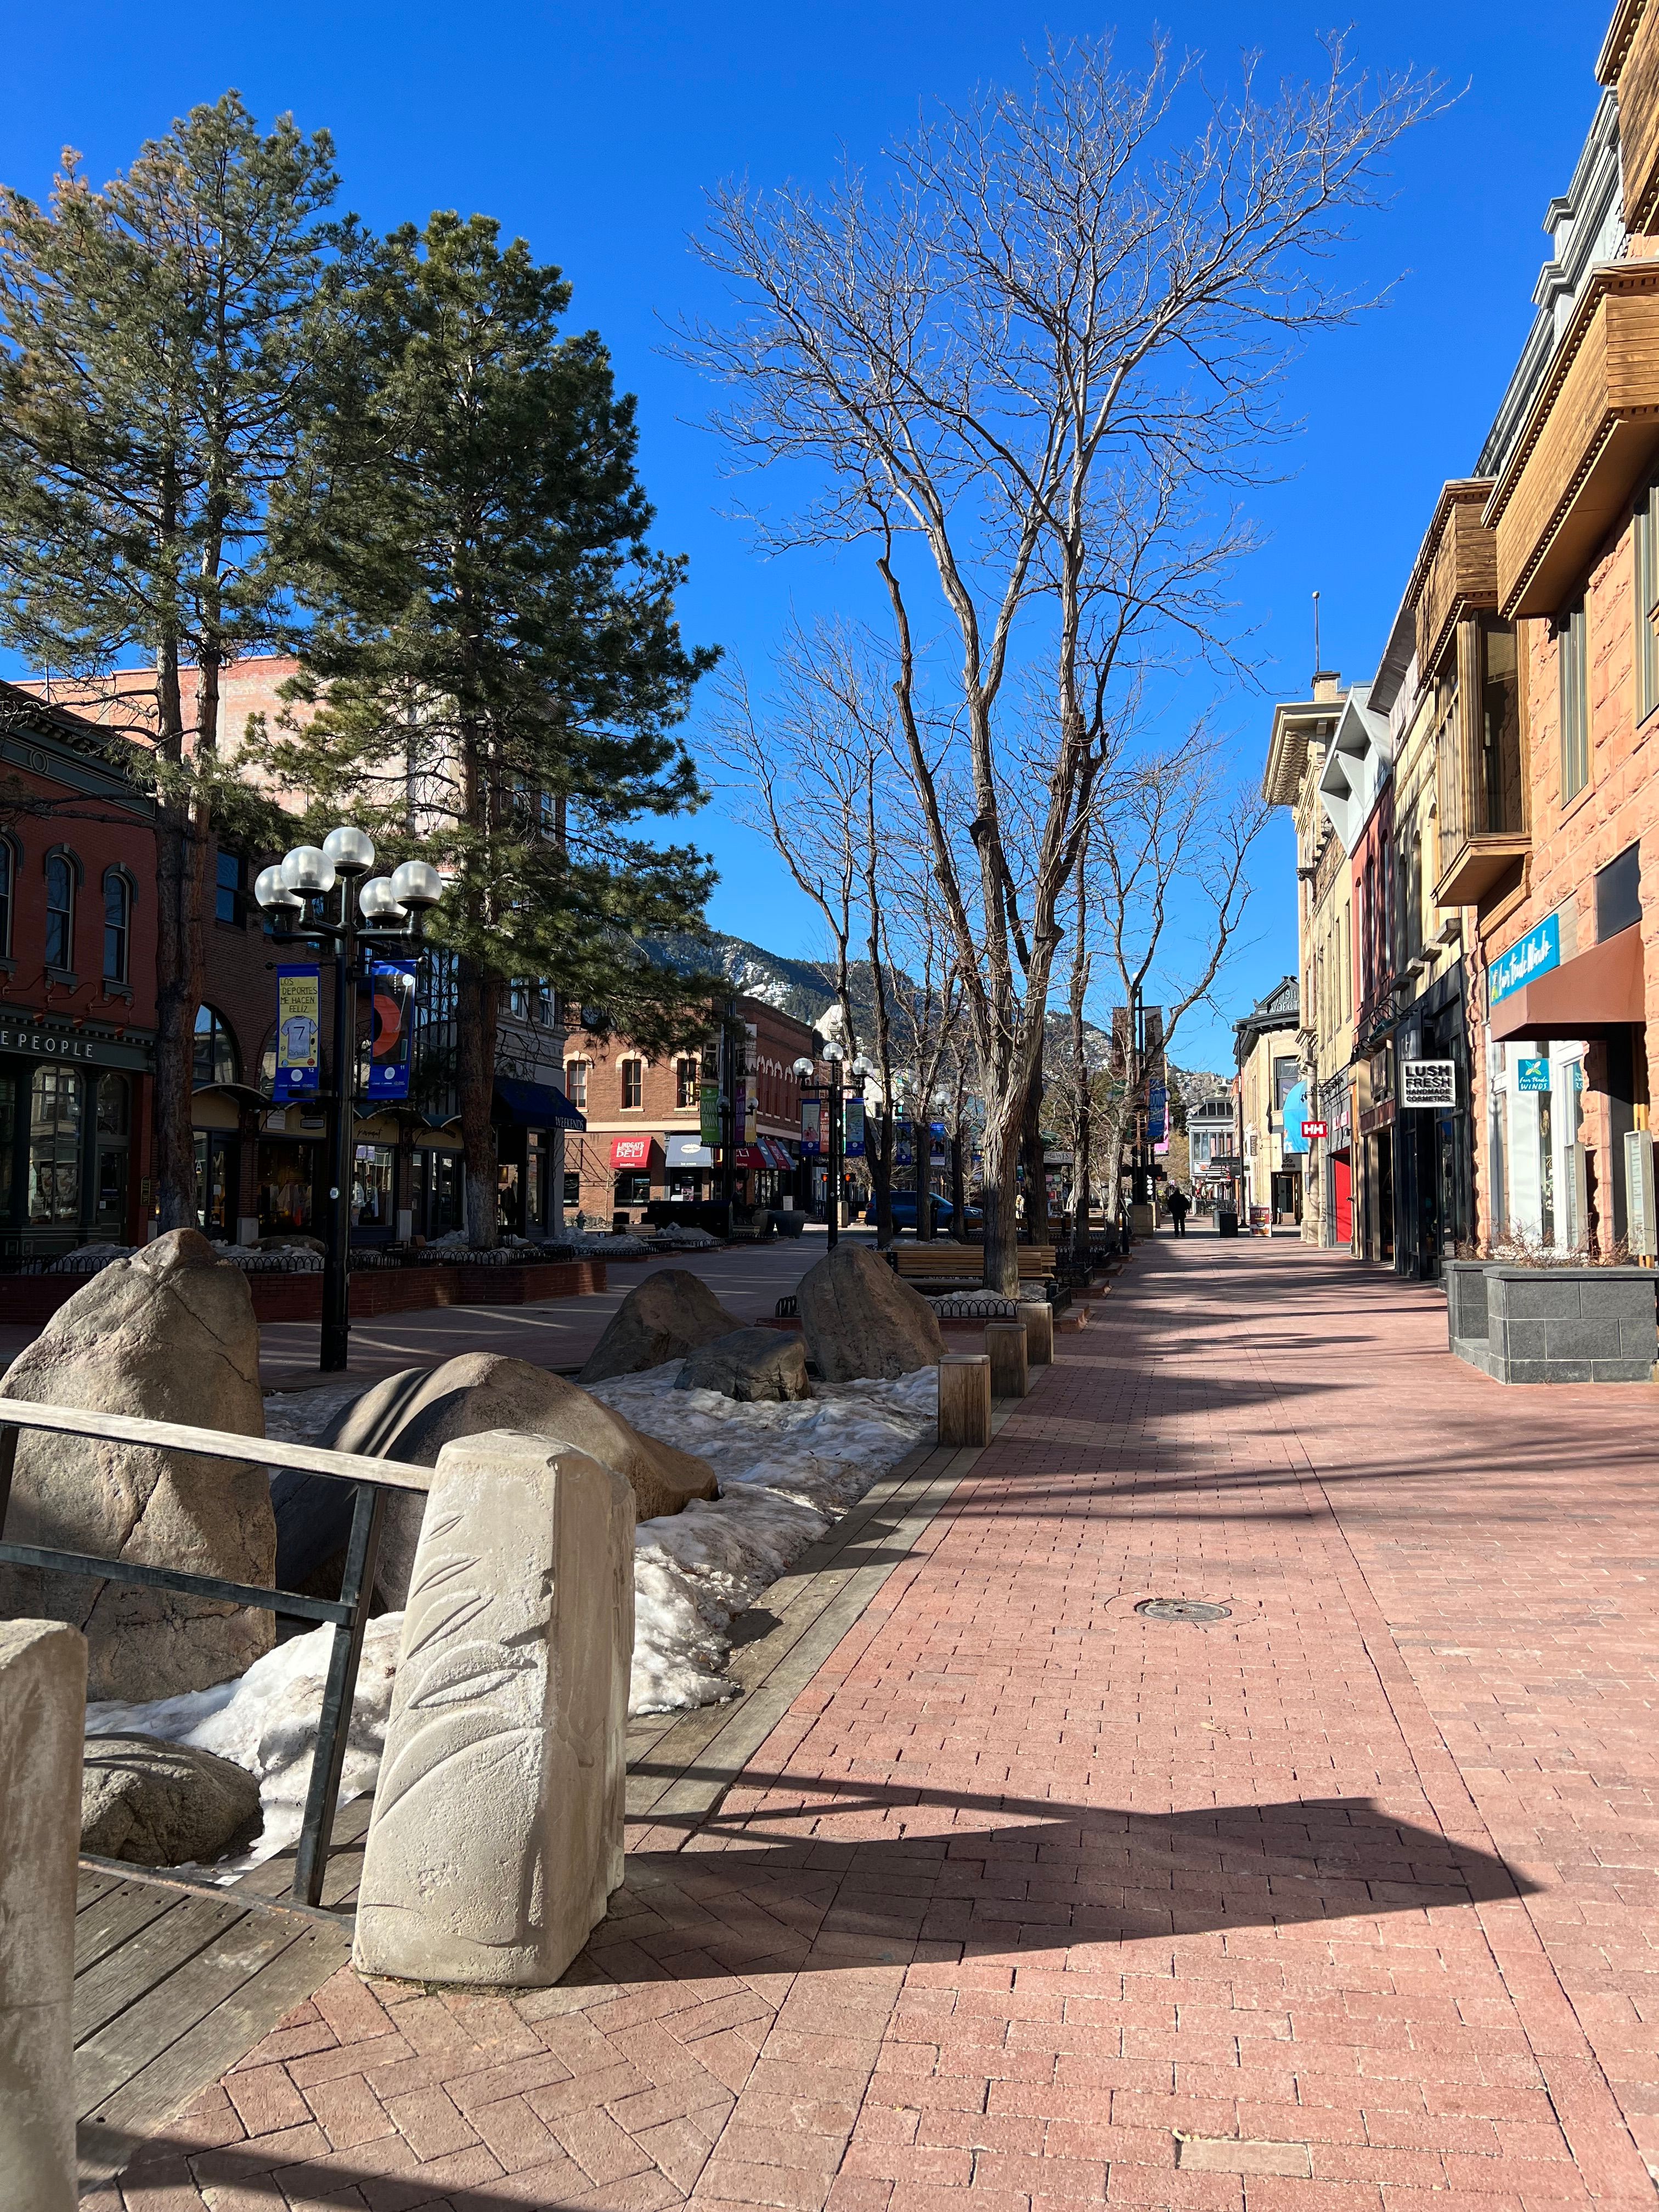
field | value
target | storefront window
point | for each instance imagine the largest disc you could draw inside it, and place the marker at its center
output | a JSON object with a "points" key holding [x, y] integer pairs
{"points": [[215, 1181], [507, 1198], [55, 1103], [537, 1147], [110, 1193], [285, 1187], [373, 1179], [436, 1197], [8, 1140], [633, 1189]]}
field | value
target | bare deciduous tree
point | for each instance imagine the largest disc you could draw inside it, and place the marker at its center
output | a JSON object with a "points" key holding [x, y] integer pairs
{"points": [[1013, 367]]}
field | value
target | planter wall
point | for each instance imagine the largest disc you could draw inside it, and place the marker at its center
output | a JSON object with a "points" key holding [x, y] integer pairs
{"points": [[1554, 1324], [374, 1290]]}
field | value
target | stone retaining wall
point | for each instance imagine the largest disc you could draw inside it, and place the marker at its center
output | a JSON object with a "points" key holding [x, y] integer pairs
{"points": [[1554, 1324]]}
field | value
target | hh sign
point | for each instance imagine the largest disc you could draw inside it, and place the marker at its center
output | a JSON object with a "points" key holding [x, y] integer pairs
{"points": [[1312, 1129], [1428, 1082]]}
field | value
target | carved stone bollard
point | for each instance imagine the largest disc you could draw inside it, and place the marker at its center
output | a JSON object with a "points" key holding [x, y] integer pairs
{"points": [[964, 1399], [496, 1837], [1005, 1346], [1038, 1317], [43, 1712]]}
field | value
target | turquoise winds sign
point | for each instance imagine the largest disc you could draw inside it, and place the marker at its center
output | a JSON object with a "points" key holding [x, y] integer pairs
{"points": [[1538, 952]]}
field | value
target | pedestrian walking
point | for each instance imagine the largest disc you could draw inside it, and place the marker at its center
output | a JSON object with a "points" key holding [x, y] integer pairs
{"points": [[1180, 1206]]}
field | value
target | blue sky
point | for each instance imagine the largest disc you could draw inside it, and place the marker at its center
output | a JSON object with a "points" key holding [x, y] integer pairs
{"points": [[593, 132]]}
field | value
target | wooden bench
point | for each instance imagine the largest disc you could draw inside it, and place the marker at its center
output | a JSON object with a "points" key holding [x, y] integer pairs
{"points": [[965, 1263]]}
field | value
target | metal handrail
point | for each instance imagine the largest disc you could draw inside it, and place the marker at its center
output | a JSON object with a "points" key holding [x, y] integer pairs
{"points": [[348, 1614]]}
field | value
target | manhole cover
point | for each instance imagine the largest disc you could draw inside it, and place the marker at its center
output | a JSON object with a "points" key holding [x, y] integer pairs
{"points": [[1183, 1608]]}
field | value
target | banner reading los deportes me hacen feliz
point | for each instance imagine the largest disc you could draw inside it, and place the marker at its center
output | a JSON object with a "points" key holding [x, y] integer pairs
{"points": [[299, 1029], [391, 988]]}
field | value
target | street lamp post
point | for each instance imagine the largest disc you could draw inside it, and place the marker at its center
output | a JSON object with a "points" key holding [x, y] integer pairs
{"points": [[386, 916]]}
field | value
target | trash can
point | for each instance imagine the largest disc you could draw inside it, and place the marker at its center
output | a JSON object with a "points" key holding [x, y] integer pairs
{"points": [[1226, 1221]]}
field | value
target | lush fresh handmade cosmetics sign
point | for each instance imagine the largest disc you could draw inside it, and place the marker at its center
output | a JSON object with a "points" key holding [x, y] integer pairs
{"points": [[1535, 954]]}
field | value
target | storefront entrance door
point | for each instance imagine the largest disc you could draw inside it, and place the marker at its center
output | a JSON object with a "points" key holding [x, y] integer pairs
{"points": [[1342, 1175]]}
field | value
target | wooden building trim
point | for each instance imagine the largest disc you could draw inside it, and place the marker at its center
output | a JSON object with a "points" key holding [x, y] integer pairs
{"points": [[1456, 570], [1589, 437], [1630, 62]]}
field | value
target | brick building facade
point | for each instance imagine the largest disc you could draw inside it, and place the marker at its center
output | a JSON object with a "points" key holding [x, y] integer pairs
{"points": [[643, 1139]]}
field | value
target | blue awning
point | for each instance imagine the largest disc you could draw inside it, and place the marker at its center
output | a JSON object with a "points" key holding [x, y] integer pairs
{"points": [[536, 1105]]}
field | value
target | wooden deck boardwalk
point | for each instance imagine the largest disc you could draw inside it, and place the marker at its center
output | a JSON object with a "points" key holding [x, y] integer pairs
{"points": [[176, 1980]]}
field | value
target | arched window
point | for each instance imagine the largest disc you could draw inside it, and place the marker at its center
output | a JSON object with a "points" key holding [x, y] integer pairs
{"points": [[60, 911], [7, 878], [118, 916], [215, 1049]]}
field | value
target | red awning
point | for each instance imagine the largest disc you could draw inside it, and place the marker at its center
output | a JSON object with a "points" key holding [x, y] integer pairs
{"points": [[631, 1151], [1586, 997], [749, 1156]]}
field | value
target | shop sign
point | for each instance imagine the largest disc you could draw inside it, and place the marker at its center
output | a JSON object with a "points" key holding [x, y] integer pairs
{"points": [[853, 1138], [1428, 1082], [1533, 1074], [75, 1046], [709, 1114], [1535, 954], [630, 1151], [298, 1031], [392, 998], [1312, 1129], [688, 1152]]}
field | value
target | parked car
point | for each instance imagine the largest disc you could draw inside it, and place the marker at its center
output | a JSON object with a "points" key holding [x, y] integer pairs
{"points": [[904, 1212]]}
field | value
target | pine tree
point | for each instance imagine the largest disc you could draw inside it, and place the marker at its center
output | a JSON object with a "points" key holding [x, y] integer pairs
{"points": [[153, 336], [493, 663]]}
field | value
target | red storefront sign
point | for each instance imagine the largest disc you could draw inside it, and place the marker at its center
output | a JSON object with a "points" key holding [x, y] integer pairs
{"points": [[630, 1151], [1312, 1129]]}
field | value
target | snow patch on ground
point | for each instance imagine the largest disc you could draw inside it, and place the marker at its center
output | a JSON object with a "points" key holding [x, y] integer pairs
{"points": [[266, 1722], [787, 1472]]}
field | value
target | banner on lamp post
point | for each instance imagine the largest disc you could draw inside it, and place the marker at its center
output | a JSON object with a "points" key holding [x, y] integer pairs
{"points": [[853, 1137], [708, 1116], [750, 1106], [813, 1131], [392, 997], [299, 1032]]}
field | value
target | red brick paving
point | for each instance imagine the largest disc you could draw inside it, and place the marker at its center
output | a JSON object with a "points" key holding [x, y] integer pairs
{"points": [[1340, 1905]]}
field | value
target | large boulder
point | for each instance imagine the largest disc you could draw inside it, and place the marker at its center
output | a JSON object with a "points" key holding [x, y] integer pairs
{"points": [[167, 1335], [163, 1804], [671, 1313], [411, 1416], [859, 1319], [749, 1365]]}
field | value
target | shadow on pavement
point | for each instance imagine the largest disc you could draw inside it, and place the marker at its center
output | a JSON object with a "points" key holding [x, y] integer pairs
{"points": [[1024, 1875]]}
